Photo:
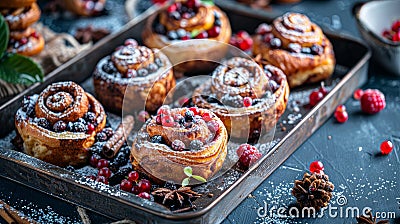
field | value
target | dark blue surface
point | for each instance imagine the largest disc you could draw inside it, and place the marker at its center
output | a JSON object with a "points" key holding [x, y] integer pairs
{"points": [[349, 151]]}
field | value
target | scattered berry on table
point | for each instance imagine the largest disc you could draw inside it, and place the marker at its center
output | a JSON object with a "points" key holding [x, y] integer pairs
{"points": [[316, 167], [248, 154], [315, 97], [358, 94], [372, 101], [386, 147]]}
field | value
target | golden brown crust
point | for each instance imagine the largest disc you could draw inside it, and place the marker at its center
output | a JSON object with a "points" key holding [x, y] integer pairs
{"points": [[33, 46], [199, 50], [148, 92], [299, 67], [21, 18], [59, 148], [16, 3], [246, 122], [165, 164], [78, 7]]}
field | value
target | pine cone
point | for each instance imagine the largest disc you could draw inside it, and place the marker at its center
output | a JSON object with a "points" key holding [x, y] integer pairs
{"points": [[313, 191]]}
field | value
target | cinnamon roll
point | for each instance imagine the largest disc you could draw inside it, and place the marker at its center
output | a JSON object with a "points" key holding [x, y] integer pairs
{"points": [[297, 46], [60, 124], [27, 42], [22, 17], [184, 21], [248, 99], [16, 3], [177, 138], [146, 73], [85, 7]]}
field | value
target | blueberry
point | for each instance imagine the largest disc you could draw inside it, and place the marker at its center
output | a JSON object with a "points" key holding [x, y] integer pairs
{"points": [[160, 29], [195, 145], [142, 72], [60, 126], [276, 43], [217, 22], [101, 137], [42, 122], [181, 121], [108, 131], [157, 139], [90, 117], [28, 104], [189, 115], [217, 15], [172, 35], [181, 33], [175, 15], [70, 127], [273, 85], [295, 48], [108, 67], [152, 67], [80, 127], [81, 120], [306, 50], [316, 49], [159, 62]]}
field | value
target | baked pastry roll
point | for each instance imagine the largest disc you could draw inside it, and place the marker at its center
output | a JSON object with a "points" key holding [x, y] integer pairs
{"points": [[248, 99], [145, 72], [184, 21], [60, 124], [85, 7], [20, 16], [16, 3], [298, 47], [177, 138]]}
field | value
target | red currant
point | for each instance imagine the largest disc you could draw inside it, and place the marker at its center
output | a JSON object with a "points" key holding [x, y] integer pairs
{"points": [[135, 189], [186, 37], [94, 159], [102, 179], [195, 110], [167, 121], [247, 101], [316, 167], [35, 35], [358, 94], [323, 90], [102, 163], [126, 185], [172, 8], [341, 116], [90, 128], [242, 34], [246, 44], [133, 176], [213, 126], [202, 35], [207, 116], [144, 185], [386, 147], [105, 172], [92, 177], [263, 29], [164, 110], [214, 31], [340, 108], [315, 98], [396, 26], [144, 195]]}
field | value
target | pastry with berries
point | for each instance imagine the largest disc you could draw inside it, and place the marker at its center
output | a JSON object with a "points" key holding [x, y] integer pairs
{"points": [[189, 20], [248, 98], [60, 124], [136, 75], [20, 16], [297, 46], [178, 138], [85, 7]]}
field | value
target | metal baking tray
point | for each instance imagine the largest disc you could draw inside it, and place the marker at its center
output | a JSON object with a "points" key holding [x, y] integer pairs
{"points": [[229, 189]]}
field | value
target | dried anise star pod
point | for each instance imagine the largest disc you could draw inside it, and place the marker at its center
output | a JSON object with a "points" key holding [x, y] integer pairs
{"points": [[180, 196], [314, 190], [369, 219]]}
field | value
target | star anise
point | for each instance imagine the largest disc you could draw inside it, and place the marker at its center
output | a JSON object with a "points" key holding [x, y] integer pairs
{"points": [[369, 219], [175, 196], [86, 34]]}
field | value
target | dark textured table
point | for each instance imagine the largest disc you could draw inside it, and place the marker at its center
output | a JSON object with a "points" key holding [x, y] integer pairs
{"points": [[350, 152]]}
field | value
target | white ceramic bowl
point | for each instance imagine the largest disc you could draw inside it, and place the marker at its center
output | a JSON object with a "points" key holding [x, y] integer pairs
{"points": [[372, 19]]}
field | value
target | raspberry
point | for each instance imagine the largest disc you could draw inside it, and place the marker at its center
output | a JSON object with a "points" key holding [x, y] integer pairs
{"points": [[248, 154], [372, 101], [178, 145], [316, 167]]}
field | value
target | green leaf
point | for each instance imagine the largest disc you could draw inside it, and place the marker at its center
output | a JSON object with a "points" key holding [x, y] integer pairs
{"points": [[18, 69], [188, 171], [4, 34], [199, 178], [207, 2], [194, 33], [185, 182]]}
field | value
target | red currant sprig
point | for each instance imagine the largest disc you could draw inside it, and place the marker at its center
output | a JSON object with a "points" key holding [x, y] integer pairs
{"points": [[341, 114]]}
